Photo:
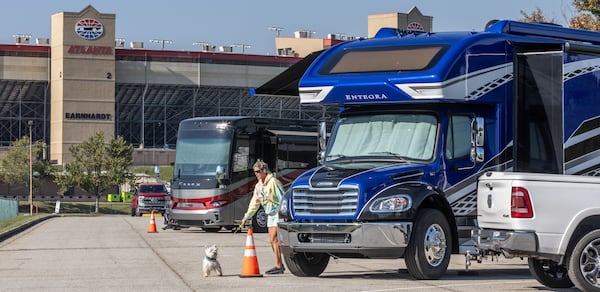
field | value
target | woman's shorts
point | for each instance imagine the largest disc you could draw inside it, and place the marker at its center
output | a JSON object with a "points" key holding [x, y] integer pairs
{"points": [[272, 220]]}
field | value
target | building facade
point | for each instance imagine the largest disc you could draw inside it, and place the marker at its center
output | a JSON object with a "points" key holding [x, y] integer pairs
{"points": [[84, 82]]}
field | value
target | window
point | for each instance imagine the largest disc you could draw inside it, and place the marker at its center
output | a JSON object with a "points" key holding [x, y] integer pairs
{"points": [[201, 152], [383, 59], [458, 143], [410, 136]]}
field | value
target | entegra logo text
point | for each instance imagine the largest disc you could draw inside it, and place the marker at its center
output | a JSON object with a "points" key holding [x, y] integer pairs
{"points": [[365, 96]]}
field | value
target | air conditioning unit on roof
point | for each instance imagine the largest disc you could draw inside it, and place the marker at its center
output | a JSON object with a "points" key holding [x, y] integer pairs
{"points": [[136, 45]]}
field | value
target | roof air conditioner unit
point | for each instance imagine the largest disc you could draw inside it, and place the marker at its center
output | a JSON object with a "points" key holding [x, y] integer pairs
{"points": [[119, 43], [136, 45], [208, 48], [301, 34], [42, 41], [22, 40], [226, 49]]}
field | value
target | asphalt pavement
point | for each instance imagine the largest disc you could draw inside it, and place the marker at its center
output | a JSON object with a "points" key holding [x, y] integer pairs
{"points": [[116, 253]]}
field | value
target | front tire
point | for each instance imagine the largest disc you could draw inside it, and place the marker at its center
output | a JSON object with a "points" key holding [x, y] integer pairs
{"points": [[259, 221], [584, 262], [549, 273], [428, 252], [306, 264]]}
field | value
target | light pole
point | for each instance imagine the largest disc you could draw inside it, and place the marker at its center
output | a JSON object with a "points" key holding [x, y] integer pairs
{"points": [[278, 29], [30, 124], [162, 42], [242, 46]]}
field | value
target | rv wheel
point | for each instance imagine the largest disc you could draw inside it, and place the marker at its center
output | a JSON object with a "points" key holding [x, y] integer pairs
{"points": [[259, 221], [428, 253]]}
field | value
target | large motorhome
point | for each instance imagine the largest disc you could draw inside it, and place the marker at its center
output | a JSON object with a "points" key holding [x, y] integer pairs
{"points": [[213, 177], [422, 116]]}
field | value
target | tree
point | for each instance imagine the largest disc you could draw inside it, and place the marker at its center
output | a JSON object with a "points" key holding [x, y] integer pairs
{"points": [[588, 14], [15, 166], [536, 16], [97, 166]]}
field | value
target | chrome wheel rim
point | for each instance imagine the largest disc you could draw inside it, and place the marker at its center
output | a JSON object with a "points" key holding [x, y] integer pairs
{"points": [[261, 218], [435, 245], [589, 262]]}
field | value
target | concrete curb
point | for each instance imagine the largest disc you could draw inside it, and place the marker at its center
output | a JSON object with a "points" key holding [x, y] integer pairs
{"points": [[8, 234]]}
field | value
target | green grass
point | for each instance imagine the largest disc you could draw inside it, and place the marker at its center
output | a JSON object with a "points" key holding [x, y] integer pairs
{"points": [[21, 219], [66, 208], [78, 207]]}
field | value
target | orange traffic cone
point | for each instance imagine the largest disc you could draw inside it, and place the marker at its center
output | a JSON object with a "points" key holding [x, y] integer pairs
{"points": [[152, 226], [250, 265]]}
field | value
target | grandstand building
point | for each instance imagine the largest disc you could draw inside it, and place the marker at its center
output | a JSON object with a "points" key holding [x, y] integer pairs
{"points": [[83, 81]]}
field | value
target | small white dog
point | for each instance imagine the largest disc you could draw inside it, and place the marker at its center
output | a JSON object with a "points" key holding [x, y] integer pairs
{"points": [[210, 263]]}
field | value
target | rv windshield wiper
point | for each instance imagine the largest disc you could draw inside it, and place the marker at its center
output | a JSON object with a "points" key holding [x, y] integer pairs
{"points": [[399, 157], [336, 156]]}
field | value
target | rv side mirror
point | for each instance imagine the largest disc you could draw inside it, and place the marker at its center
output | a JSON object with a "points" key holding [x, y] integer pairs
{"points": [[220, 176], [322, 136], [477, 139], [321, 157]]}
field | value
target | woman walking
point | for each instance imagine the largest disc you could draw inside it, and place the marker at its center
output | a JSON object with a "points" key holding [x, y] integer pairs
{"points": [[267, 193]]}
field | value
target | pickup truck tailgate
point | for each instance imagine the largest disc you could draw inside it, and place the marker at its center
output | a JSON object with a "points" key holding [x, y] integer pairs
{"points": [[493, 201]]}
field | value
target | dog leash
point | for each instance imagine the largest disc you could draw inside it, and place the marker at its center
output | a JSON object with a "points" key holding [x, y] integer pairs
{"points": [[240, 227]]}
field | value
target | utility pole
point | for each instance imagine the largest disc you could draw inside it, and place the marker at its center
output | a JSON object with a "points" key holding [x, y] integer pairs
{"points": [[30, 124]]}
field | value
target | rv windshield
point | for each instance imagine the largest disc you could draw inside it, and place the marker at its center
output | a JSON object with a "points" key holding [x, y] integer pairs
{"points": [[389, 136], [200, 152]]}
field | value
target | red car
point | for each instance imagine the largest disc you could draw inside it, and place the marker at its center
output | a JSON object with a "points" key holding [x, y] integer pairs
{"points": [[150, 197]]}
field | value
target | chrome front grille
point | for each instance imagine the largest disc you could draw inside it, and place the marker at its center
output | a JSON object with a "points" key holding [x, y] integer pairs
{"points": [[325, 202], [154, 201]]}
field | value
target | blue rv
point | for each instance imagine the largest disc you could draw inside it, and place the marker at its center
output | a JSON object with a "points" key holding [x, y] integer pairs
{"points": [[422, 116]]}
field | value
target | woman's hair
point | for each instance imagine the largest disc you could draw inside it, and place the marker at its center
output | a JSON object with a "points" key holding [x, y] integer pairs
{"points": [[260, 164]]}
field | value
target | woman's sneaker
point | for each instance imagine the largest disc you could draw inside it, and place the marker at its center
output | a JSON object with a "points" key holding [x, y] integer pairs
{"points": [[276, 270]]}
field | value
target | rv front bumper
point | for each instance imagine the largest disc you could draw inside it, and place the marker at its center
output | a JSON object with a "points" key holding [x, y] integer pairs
{"points": [[373, 240], [195, 217], [510, 243]]}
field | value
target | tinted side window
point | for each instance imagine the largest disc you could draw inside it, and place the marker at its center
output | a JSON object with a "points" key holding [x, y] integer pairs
{"points": [[458, 143]]}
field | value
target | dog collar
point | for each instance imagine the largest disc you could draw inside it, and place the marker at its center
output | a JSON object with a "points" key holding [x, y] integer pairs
{"points": [[211, 259]]}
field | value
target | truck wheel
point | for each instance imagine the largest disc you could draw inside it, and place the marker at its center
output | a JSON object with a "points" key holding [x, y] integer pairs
{"points": [[584, 262], [259, 221], [137, 212], [132, 211], [306, 264], [428, 253], [549, 273]]}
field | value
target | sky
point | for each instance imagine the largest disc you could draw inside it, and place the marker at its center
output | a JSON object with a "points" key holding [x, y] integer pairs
{"points": [[247, 22]]}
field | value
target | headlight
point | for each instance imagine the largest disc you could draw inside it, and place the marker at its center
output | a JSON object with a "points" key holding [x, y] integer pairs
{"points": [[218, 203], [284, 205], [284, 208], [395, 203]]}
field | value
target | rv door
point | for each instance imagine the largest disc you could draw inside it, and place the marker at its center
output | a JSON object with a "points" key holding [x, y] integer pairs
{"points": [[538, 115]]}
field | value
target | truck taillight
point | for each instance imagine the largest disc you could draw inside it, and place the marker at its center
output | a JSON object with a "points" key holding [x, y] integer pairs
{"points": [[520, 203]]}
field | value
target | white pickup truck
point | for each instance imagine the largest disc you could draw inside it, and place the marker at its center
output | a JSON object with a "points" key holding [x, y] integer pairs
{"points": [[553, 220]]}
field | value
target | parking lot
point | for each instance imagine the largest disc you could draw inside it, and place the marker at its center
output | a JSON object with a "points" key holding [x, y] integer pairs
{"points": [[117, 253]]}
